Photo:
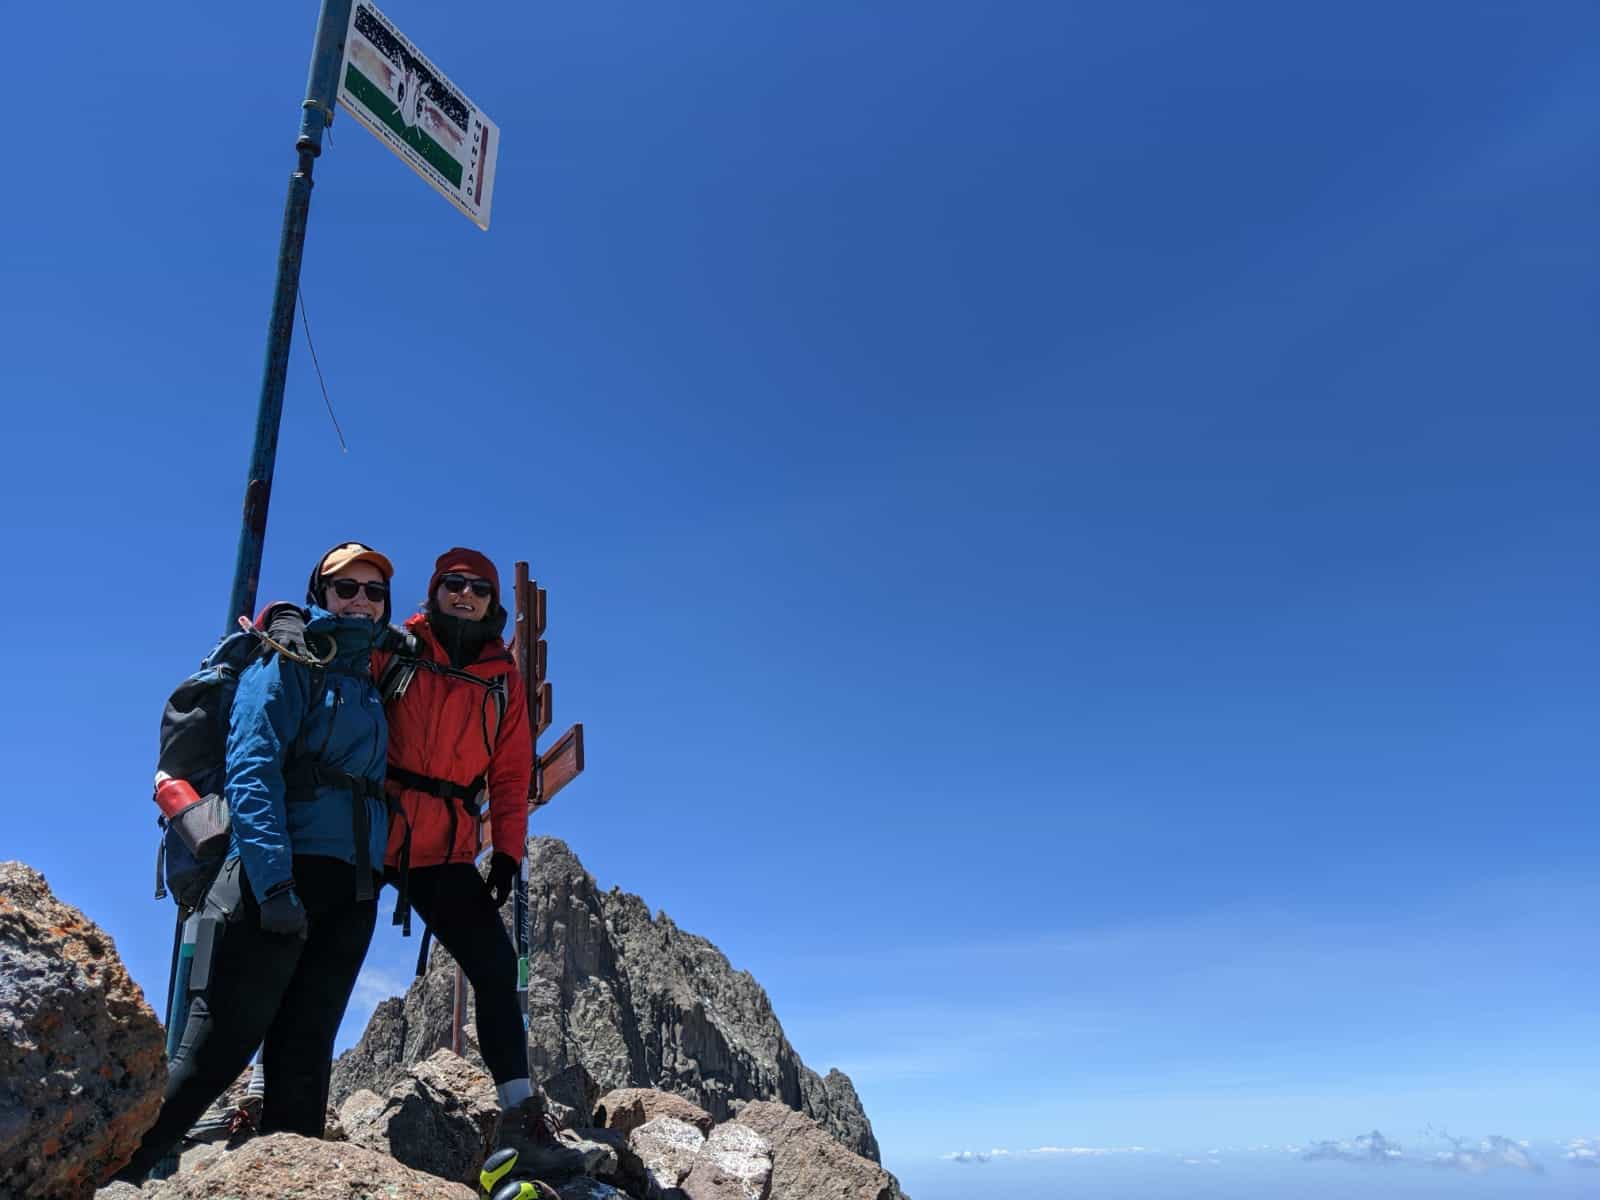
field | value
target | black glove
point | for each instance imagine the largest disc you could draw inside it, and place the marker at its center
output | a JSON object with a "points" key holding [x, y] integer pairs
{"points": [[286, 625], [396, 640], [282, 912], [502, 877]]}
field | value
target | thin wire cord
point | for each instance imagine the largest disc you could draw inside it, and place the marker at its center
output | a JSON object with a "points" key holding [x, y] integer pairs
{"points": [[306, 325]]}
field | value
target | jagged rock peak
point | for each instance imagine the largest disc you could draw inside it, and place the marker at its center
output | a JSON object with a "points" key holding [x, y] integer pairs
{"points": [[640, 1002], [633, 999]]}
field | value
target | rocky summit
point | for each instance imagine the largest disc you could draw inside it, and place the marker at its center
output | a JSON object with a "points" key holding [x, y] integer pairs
{"points": [[629, 998], [668, 1066]]}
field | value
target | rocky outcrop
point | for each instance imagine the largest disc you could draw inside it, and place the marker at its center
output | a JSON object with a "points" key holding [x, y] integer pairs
{"points": [[628, 1108], [629, 997], [809, 1164], [285, 1165], [831, 1102], [442, 1118], [401, 1033], [82, 1056], [641, 1003]]}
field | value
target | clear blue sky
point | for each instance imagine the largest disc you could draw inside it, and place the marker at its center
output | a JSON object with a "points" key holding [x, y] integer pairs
{"points": [[1070, 527]]}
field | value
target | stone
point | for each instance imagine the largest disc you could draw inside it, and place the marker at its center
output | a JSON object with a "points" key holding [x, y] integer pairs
{"points": [[667, 1148], [574, 1088], [808, 1163], [285, 1166], [628, 1108], [443, 1118], [356, 1108], [734, 1164], [119, 1191], [82, 1055]]}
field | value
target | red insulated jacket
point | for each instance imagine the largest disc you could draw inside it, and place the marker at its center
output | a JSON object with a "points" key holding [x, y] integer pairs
{"points": [[449, 726]]}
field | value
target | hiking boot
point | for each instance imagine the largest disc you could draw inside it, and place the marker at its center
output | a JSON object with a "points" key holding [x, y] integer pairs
{"points": [[539, 1142]]}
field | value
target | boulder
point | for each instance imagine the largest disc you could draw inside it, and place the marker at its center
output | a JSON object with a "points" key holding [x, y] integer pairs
{"points": [[82, 1056], [575, 1089], [628, 1108], [734, 1164], [808, 1163], [359, 1107], [666, 1147], [443, 1118], [285, 1165]]}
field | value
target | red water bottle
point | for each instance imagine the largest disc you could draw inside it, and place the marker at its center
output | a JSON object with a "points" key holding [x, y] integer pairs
{"points": [[174, 795]]}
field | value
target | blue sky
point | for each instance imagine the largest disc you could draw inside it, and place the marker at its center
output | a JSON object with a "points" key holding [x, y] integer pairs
{"points": [[1069, 527]]}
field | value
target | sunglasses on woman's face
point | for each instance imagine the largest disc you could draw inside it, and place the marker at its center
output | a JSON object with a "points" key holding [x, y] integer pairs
{"points": [[346, 589], [454, 584]]}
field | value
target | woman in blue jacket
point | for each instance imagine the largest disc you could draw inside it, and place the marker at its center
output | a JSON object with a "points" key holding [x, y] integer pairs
{"points": [[293, 909]]}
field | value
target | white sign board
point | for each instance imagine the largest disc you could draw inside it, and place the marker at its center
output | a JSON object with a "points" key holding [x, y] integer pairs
{"points": [[392, 89]]}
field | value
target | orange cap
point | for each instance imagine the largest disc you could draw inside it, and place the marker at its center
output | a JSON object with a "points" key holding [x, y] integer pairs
{"points": [[343, 555]]}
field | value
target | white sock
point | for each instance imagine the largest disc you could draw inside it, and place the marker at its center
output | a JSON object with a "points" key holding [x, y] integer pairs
{"points": [[258, 1080], [513, 1092]]}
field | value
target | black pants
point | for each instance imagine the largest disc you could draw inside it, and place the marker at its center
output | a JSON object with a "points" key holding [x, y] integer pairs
{"points": [[457, 906], [284, 993]]}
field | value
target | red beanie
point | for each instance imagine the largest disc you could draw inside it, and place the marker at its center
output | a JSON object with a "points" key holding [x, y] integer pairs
{"points": [[459, 558]]}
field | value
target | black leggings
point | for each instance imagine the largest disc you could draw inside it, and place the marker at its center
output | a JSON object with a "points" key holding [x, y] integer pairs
{"points": [[453, 900], [281, 992]]}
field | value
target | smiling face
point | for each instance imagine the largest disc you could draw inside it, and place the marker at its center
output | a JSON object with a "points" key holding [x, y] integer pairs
{"points": [[457, 595], [360, 604]]}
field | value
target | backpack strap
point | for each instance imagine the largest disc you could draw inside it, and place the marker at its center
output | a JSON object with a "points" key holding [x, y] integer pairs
{"points": [[497, 693]]}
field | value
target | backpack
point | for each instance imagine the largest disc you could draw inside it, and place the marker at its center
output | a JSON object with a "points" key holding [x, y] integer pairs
{"points": [[193, 748]]}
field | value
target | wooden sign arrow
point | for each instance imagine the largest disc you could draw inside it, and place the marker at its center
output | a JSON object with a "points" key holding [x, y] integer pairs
{"points": [[558, 766], [544, 711]]}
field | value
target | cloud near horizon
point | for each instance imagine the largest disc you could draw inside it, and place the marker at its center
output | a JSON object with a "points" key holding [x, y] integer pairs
{"points": [[966, 1157], [1584, 1152], [1490, 1153]]}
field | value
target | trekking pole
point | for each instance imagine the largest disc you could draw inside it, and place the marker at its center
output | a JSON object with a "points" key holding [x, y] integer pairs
{"points": [[523, 652]]}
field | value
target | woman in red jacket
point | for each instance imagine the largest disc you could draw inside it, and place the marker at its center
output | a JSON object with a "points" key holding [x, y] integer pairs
{"points": [[458, 731]]}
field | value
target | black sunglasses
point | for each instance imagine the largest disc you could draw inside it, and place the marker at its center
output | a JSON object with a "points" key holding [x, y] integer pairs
{"points": [[346, 589], [454, 583]]}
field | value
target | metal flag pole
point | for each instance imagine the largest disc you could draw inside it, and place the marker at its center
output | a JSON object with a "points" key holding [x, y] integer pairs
{"points": [[316, 112]]}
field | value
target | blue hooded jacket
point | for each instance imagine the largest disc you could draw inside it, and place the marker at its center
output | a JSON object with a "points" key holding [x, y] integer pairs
{"points": [[346, 731]]}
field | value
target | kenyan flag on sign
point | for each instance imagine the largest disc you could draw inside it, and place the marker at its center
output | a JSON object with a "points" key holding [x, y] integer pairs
{"points": [[401, 91], [393, 89], [387, 111]]}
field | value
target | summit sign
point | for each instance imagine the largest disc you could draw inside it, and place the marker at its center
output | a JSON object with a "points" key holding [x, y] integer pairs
{"points": [[388, 85]]}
